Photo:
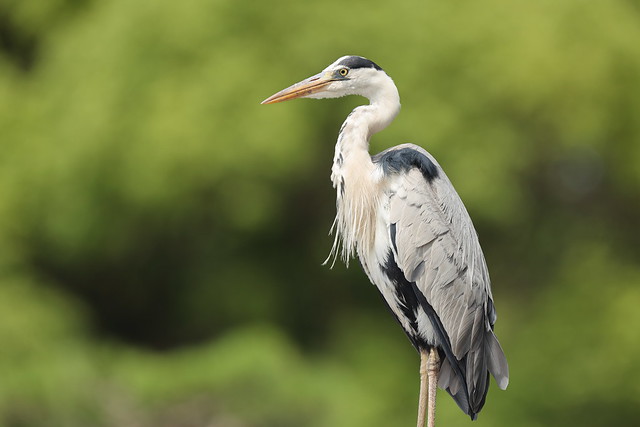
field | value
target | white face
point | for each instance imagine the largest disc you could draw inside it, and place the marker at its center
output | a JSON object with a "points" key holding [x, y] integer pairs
{"points": [[346, 80], [349, 75]]}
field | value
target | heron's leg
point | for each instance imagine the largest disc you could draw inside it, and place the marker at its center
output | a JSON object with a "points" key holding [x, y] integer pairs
{"points": [[424, 379], [433, 367]]}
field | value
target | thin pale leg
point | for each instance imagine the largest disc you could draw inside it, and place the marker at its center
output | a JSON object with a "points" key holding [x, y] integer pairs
{"points": [[424, 379], [433, 367]]}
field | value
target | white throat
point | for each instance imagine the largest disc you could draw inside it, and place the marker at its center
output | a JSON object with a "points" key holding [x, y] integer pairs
{"points": [[353, 173]]}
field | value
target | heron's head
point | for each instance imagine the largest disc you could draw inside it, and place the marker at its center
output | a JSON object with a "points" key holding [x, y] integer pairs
{"points": [[349, 75]]}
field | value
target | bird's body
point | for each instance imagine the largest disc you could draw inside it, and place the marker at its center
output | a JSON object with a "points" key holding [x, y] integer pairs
{"points": [[399, 213]]}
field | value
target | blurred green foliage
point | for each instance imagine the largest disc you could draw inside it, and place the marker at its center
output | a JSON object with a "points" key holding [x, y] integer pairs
{"points": [[161, 233]]}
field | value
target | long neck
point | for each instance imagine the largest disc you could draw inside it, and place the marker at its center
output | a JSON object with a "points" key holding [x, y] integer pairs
{"points": [[361, 124], [353, 171]]}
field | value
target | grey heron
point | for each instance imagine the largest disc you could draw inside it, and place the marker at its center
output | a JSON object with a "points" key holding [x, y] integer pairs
{"points": [[400, 214]]}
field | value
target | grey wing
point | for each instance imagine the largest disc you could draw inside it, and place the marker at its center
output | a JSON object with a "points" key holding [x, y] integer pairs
{"points": [[436, 247]]}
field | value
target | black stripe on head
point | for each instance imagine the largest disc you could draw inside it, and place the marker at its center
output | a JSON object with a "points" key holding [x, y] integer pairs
{"points": [[354, 62]]}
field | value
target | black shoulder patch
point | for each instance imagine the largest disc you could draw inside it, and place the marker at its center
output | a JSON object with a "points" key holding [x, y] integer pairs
{"points": [[405, 159], [354, 62]]}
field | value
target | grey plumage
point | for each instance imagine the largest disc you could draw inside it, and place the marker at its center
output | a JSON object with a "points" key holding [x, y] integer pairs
{"points": [[437, 248], [398, 212]]}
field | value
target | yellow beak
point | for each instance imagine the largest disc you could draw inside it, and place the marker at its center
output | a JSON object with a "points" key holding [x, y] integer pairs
{"points": [[304, 88]]}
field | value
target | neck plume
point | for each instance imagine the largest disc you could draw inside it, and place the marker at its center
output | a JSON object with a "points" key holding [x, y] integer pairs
{"points": [[353, 173]]}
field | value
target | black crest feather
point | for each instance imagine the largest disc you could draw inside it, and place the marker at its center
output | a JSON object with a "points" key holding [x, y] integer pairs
{"points": [[354, 62]]}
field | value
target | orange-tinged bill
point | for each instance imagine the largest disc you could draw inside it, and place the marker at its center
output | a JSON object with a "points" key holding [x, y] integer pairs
{"points": [[304, 88]]}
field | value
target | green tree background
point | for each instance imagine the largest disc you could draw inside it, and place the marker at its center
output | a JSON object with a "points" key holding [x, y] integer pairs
{"points": [[162, 234]]}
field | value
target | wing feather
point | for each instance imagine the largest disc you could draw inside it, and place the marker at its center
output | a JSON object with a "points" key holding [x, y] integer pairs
{"points": [[438, 249]]}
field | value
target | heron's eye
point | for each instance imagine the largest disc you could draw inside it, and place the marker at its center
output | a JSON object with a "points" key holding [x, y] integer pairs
{"points": [[344, 71]]}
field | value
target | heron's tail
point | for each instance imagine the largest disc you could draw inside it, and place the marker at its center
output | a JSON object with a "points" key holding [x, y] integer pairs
{"points": [[469, 387], [497, 362]]}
